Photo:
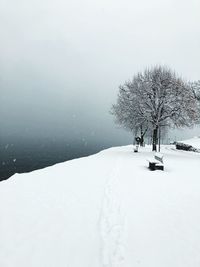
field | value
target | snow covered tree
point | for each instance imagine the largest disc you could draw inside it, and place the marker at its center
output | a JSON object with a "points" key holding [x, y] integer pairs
{"points": [[196, 89], [125, 115], [153, 99]]}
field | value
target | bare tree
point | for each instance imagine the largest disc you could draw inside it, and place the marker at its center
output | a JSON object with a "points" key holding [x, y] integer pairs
{"points": [[153, 99]]}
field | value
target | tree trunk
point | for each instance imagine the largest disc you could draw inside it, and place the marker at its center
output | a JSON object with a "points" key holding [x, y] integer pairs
{"points": [[142, 134], [159, 136], [155, 139], [142, 140]]}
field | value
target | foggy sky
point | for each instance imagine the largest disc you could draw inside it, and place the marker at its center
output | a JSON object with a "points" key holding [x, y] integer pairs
{"points": [[61, 62]]}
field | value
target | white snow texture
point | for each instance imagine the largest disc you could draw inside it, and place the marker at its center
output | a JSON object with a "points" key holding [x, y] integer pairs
{"points": [[106, 210]]}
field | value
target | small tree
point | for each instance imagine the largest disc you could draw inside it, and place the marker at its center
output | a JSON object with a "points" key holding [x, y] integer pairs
{"points": [[153, 99], [195, 86]]}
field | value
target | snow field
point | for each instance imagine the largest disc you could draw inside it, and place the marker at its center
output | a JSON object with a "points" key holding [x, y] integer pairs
{"points": [[106, 210]]}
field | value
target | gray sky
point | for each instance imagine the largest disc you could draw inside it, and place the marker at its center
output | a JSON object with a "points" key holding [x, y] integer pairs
{"points": [[61, 61]]}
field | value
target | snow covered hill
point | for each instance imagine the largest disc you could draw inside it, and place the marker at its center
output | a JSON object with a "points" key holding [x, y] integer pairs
{"points": [[106, 210]]}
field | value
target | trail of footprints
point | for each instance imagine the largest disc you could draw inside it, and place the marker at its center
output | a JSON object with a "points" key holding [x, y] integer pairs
{"points": [[112, 222]]}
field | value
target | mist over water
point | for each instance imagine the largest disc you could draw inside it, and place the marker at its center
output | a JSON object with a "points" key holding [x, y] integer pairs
{"points": [[61, 63], [23, 152], [22, 156]]}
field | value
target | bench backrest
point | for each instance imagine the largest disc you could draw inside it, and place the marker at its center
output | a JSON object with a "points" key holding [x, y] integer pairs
{"points": [[159, 157]]}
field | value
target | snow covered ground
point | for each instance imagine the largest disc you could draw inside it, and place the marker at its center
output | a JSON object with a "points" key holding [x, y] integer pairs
{"points": [[106, 210]]}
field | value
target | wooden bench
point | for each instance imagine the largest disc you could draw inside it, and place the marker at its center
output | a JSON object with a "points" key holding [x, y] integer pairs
{"points": [[156, 163]]}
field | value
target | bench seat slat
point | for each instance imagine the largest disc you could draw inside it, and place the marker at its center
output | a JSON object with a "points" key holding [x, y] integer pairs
{"points": [[153, 161]]}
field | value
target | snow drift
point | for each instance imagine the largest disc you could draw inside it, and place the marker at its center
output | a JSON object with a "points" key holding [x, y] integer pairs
{"points": [[192, 144]]}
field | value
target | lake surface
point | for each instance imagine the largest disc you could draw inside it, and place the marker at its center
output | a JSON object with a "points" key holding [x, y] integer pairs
{"points": [[20, 157]]}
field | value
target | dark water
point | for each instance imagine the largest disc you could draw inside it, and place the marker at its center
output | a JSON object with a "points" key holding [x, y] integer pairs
{"points": [[19, 156]]}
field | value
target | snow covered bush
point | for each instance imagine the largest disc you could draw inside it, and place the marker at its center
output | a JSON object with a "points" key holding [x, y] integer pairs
{"points": [[182, 146]]}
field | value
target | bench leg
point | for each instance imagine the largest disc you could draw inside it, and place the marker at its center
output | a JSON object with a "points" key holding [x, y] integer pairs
{"points": [[152, 166], [160, 167]]}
